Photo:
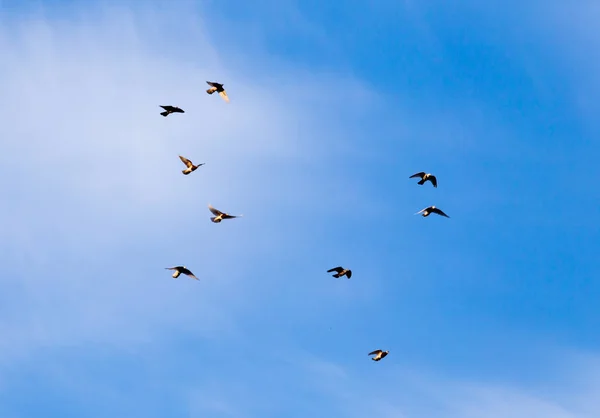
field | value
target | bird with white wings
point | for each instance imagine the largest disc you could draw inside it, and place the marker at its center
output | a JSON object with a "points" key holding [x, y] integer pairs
{"points": [[181, 270], [219, 216], [190, 166], [218, 87], [379, 354]]}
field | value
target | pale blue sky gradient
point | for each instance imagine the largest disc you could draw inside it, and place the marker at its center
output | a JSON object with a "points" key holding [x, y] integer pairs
{"points": [[489, 314]]}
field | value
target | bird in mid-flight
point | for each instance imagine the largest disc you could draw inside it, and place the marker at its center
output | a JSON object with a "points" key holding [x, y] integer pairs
{"points": [[379, 354], [170, 109], [431, 209], [179, 270], [425, 177], [219, 216], [190, 166], [340, 271], [214, 86]]}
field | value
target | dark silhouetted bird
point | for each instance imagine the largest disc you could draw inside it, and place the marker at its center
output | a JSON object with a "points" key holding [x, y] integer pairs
{"points": [[179, 270], [340, 271], [219, 216], [170, 109], [218, 88], [425, 177], [431, 209], [379, 354], [190, 166]]}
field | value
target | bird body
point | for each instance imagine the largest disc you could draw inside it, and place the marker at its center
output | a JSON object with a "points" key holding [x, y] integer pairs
{"points": [[431, 209], [219, 216], [340, 271], [379, 354], [190, 166], [179, 270], [170, 109], [218, 87], [425, 177]]}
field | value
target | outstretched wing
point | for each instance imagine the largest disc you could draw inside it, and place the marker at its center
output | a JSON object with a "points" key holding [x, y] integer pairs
{"points": [[210, 83], [433, 180], [167, 108], [421, 211], [336, 269], [215, 211], [375, 352], [228, 216], [439, 212], [187, 162], [178, 109], [421, 174], [223, 94]]}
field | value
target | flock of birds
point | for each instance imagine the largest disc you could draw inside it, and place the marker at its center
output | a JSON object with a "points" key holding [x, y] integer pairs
{"points": [[220, 216]]}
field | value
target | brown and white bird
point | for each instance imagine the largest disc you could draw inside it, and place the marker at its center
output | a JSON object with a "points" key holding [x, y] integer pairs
{"points": [[170, 109], [179, 270], [431, 209], [340, 271], [425, 177], [218, 87], [219, 216], [379, 354], [190, 166]]}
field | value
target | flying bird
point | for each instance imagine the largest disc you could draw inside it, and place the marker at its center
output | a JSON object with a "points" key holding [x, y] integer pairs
{"points": [[425, 177], [340, 271], [190, 166], [214, 86], [379, 354], [431, 209], [170, 109], [219, 216], [179, 270]]}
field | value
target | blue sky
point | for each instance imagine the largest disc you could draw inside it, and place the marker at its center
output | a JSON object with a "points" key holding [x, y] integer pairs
{"points": [[488, 314]]}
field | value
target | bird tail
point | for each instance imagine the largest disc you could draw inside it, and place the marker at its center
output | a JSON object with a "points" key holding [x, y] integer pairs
{"points": [[211, 90], [213, 219], [185, 172], [165, 114]]}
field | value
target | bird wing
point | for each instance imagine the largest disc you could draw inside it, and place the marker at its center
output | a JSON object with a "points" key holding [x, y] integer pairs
{"points": [[187, 162], [178, 110], [223, 94], [421, 211], [215, 211], [228, 216], [421, 174], [210, 83], [439, 212], [167, 108], [375, 352], [211, 90], [336, 269], [433, 180]]}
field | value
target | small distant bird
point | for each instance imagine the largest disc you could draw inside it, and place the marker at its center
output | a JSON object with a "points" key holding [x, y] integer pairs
{"points": [[220, 215], [379, 354], [179, 270], [214, 86], [431, 209], [170, 109], [425, 177], [190, 166], [340, 271]]}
